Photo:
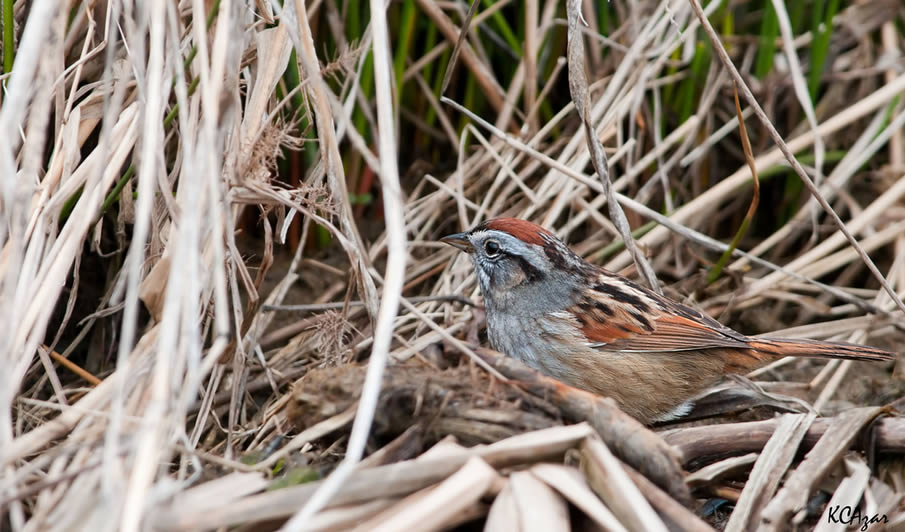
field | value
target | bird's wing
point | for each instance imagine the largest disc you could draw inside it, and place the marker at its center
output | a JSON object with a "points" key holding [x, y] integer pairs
{"points": [[618, 315]]}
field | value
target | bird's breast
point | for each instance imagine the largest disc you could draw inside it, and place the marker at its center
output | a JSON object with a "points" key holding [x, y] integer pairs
{"points": [[545, 342]]}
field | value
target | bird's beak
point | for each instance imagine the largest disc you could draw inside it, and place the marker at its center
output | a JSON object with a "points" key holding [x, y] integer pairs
{"points": [[459, 240]]}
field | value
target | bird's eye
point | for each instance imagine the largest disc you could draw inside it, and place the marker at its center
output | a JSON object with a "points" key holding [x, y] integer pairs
{"points": [[492, 248]]}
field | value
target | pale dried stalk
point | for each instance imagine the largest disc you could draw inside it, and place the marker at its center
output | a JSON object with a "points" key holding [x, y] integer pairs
{"points": [[395, 268], [15, 195], [149, 451]]}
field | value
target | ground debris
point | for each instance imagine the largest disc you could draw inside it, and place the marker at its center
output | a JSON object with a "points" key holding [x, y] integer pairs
{"points": [[456, 401]]}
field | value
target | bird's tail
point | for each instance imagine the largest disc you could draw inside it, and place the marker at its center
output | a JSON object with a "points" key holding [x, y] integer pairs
{"points": [[787, 347]]}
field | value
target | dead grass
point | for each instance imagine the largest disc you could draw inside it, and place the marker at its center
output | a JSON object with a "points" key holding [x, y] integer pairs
{"points": [[150, 382]]}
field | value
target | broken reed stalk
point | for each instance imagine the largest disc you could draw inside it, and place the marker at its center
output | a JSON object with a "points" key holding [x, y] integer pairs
{"points": [[887, 435]]}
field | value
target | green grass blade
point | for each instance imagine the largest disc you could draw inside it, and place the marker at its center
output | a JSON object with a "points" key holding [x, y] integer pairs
{"points": [[769, 31], [404, 43], [505, 30], [755, 197], [9, 52], [820, 46]]}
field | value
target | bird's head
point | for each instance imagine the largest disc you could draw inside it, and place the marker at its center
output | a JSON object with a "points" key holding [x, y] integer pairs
{"points": [[511, 254]]}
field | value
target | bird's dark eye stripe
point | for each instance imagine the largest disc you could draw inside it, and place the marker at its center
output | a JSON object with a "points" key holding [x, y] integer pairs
{"points": [[532, 274]]}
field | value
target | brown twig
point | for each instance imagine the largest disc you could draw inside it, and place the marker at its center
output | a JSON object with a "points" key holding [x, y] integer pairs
{"points": [[73, 367]]}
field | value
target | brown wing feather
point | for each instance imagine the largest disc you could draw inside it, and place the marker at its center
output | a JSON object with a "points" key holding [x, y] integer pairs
{"points": [[818, 349], [621, 316], [670, 333]]}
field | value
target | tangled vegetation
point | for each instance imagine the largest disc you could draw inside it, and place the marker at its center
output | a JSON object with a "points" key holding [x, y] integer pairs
{"points": [[223, 302]]}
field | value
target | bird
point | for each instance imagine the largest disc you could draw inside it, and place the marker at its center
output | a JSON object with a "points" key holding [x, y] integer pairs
{"points": [[598, 331]]}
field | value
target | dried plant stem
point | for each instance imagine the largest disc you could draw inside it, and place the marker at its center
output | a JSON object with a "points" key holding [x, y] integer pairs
{"points": [[578, 88], [317, 307]]}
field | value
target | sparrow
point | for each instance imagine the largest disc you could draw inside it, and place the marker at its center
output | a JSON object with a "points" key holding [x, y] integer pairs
{"points": [[598, 331]]}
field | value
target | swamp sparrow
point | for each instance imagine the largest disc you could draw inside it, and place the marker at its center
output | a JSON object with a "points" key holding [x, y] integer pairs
{"points": [[598, 331]]}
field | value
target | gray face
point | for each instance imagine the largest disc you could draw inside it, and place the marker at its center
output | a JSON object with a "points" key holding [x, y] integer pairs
{"points": [[503, 262], [519, 277]]}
